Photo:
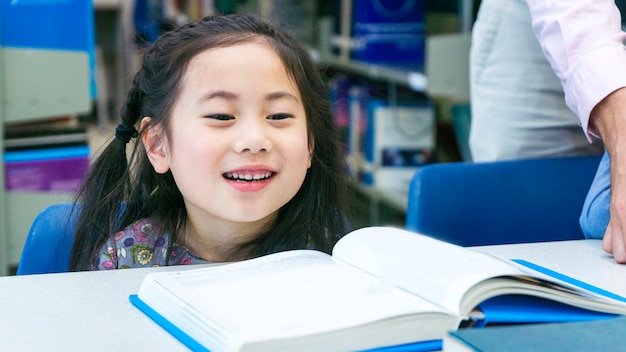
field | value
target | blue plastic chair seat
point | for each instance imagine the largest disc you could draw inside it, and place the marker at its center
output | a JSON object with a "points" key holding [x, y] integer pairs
{"points": [[49, 242], [519, 201]]}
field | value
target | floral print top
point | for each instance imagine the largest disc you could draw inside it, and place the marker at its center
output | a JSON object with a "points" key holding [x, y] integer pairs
{"points": [[139, 245]]}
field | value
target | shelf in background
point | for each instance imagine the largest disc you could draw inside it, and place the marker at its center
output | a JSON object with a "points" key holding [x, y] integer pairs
{"points": [[375, 207], [416, 81], [396, 199]]}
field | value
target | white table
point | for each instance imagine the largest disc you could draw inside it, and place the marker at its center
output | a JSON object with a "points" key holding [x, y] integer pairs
{"points": [[90, 310], [86, 311]]}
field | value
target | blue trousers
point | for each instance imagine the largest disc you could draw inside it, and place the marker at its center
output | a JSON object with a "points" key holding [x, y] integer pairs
{"points": [[595, 214]]}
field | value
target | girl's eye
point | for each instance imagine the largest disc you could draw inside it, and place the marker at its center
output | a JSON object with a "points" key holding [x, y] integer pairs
{"points": [[220, 117], [280, 116]]}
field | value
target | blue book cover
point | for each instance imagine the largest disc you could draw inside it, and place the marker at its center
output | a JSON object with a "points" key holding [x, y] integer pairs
{"points": [[598, 335], [167, 325]]}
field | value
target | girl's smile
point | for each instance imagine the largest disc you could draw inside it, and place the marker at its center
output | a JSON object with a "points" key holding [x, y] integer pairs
{"points": [[250, 179]]}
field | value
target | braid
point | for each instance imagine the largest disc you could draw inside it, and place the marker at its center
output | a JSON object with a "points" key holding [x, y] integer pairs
{"points": [[131, 111], [103, 190]]}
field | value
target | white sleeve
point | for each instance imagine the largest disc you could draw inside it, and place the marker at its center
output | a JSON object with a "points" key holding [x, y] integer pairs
{"points": [[584, 43]]}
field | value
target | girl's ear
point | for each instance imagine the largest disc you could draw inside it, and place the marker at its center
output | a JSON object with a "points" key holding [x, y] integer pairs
{"points": [[156, 146]]}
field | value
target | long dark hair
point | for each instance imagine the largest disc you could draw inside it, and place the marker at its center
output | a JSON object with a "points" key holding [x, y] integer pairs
{"points": [[119, 191]]}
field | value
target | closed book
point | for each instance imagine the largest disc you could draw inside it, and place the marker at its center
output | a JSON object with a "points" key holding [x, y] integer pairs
{"points": [[597, 335]]}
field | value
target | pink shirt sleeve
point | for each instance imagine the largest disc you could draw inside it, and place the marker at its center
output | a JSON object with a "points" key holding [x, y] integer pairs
{"points": [[584, 43]]}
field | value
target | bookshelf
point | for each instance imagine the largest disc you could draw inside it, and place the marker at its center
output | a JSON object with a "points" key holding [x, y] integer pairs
{"points": [[3, 204], [44, 75], [416, 81], [443, 80]]}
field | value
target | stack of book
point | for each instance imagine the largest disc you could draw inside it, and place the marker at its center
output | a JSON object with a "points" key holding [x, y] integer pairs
{"points": [[45, 157]]}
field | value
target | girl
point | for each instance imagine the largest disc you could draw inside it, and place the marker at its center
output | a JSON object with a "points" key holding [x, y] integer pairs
{"points": [[237, 155]]}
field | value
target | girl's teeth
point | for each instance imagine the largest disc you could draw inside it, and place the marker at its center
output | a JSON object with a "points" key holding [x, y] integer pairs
{"points": [[248, 176]]}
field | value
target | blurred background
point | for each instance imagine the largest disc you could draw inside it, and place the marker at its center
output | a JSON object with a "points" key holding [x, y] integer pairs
{"points": [[396, 71]]}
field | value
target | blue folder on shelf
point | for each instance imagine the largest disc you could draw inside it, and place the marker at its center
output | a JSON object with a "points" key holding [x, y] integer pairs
{"points": [[66, 25]]}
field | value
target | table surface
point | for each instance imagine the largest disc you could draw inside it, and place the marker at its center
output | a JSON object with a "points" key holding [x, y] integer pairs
{"points": [[91, 311]]}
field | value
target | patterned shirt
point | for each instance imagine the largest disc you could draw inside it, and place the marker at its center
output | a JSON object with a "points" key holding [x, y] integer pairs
{"points": [[139, 245]]}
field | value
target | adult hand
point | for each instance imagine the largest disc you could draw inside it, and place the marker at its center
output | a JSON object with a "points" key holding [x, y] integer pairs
{"points": [[609, 119]]}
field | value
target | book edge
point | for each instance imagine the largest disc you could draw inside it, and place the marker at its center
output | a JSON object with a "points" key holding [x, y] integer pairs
{"points": [[569, 280], [168, 326]]}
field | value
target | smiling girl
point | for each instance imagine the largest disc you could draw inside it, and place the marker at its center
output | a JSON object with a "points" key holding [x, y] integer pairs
{"points": [[236, 155]]}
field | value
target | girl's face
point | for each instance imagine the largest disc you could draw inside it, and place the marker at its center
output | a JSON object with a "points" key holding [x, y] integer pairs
{"points": [[239, 148]]}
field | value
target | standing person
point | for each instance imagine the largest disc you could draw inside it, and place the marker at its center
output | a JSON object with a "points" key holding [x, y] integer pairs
{"points": [[517, 105], [584, 43], [236, 155]]}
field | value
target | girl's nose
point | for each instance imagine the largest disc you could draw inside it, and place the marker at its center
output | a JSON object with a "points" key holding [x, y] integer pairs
{"points": [[253, 138]]}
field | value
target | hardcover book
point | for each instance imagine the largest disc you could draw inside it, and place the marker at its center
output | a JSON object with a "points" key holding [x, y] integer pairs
{"points": [[381, 287]]}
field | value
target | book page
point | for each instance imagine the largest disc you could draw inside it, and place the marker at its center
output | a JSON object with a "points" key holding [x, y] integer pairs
{"points": [[438, 271], [288, 293]]}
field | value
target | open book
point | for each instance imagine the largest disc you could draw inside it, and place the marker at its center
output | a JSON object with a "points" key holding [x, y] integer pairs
{"points": [[381, 287]]}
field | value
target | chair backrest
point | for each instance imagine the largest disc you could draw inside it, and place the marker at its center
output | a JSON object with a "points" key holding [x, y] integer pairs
{"points": [[49, 241], [519, 201]]}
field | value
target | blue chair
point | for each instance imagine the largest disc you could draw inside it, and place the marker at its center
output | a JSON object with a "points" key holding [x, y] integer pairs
{"points": [[49, 241], [519, 201]]}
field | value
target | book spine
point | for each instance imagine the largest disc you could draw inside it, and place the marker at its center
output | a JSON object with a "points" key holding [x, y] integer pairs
{"points": [[46, 154]]}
